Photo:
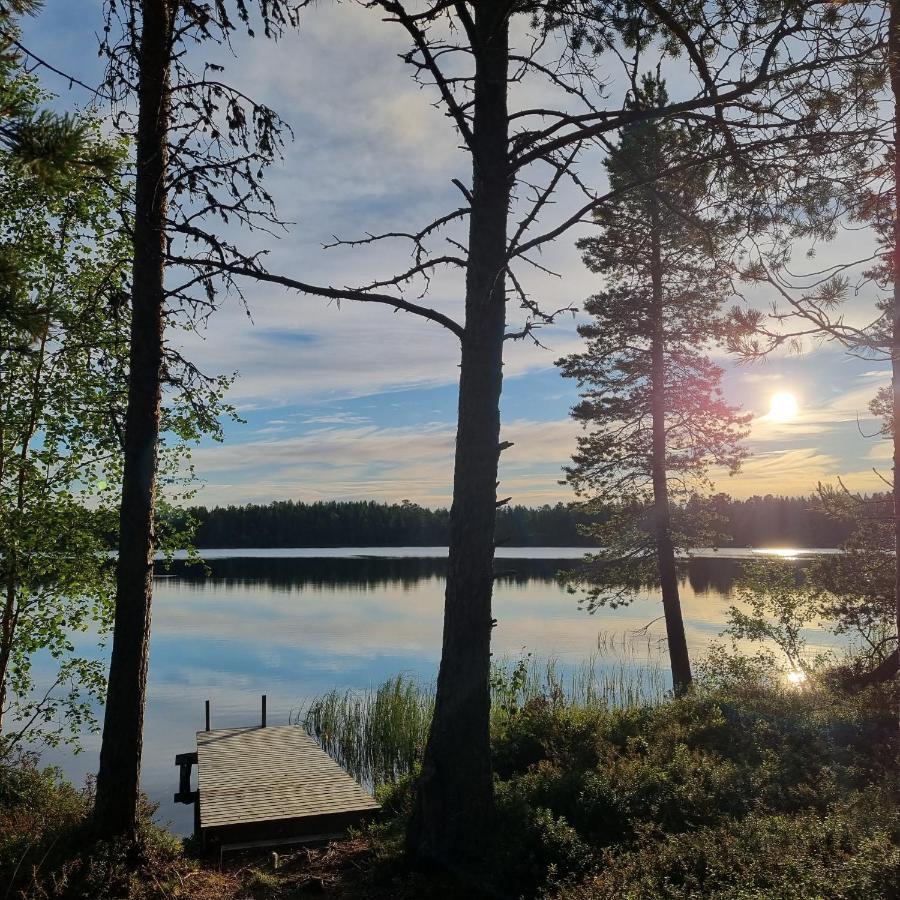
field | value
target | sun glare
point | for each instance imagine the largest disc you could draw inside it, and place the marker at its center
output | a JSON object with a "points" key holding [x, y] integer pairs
{"points": [[782, 407], [780, 552]]}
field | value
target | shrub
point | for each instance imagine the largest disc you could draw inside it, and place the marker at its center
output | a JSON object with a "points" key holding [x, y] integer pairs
{"points": [[852, 852], [686, 774], [47, 849]]}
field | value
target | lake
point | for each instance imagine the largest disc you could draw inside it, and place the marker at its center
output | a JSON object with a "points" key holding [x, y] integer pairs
{"points": [[294, 623]]}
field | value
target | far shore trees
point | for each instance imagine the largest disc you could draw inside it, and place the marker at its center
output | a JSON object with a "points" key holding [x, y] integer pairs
{"points": [[651, 398]]}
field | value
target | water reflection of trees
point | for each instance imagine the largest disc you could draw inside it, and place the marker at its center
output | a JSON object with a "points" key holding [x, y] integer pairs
{"points": [[711, 576], [718, 576], [293, 573], [703, 575]]}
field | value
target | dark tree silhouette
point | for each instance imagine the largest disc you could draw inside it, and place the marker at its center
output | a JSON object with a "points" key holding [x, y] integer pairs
{"points": [[754, 522], [864, 190], [200, 149], [651, 397]]}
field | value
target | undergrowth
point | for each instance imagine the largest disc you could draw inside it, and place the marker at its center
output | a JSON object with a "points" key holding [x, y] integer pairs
{"points": [[742, 789], [738, 790]]}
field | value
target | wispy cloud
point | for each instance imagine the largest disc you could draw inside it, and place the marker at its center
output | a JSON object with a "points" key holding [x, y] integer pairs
{"points": [[361, 461]]}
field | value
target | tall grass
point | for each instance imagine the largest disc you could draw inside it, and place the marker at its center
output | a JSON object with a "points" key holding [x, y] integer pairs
{"points": [[379, 735]]}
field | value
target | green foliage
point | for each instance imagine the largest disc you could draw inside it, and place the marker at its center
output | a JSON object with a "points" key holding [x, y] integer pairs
{"points": [[858, 583], [605, 791], [655, 419], [777, 603], [752, 522], [686, 795], [53, 149], [62, 369], [264, 885], [850, 593], [38, 810], [379, 735], [47, 849], [65, 263], [851, 852]]}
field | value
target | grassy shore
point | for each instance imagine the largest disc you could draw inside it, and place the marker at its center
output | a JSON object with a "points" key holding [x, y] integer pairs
{"points": [[744, 789]]}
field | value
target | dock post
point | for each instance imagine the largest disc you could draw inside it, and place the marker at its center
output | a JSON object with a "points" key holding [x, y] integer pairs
{"points": [[207, 715], [263, 711]]}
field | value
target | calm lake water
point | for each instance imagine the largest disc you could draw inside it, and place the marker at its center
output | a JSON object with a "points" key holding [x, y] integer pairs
{"points": [[294, 623]]}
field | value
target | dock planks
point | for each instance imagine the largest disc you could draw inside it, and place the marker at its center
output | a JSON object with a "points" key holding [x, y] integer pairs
{"points": [[252, 776]]}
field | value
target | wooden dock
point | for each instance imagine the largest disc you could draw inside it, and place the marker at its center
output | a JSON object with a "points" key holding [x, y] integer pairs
{"points": [[267, 786]]}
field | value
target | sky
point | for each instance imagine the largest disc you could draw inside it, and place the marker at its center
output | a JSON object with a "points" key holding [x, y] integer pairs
{"points": [[358, 402]]}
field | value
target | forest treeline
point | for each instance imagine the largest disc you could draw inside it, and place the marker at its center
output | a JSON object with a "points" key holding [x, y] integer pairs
{"points": [[754, 522]]}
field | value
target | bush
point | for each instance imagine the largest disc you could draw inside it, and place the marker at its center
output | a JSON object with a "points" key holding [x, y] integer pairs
{"points": [[39, 813], [591, 790], [47, 849], [852, 852]]}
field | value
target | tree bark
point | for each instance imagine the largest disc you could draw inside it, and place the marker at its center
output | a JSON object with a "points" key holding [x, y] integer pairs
{"points": [[665, 551], [894, 63], [7, 627], [118, 781], [454, 800]]}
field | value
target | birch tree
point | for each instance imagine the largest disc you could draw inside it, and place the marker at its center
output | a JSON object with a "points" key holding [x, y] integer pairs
{"points": [[62, 367]]}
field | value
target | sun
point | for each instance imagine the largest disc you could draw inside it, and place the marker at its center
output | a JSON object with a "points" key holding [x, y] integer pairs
{"points": [[783, 407]]}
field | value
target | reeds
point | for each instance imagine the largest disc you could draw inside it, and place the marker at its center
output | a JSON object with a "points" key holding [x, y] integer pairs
{"points": [[594, 683], [379, 735]]}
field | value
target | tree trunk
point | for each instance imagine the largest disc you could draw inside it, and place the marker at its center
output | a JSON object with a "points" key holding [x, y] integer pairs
{"points": [[454, 801], [118, 781], [11, 608], [6, 631], [665, 551], [894, 57]]}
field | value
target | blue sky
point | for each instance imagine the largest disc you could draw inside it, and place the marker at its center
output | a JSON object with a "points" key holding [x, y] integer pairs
{"points": [[357, 402]]}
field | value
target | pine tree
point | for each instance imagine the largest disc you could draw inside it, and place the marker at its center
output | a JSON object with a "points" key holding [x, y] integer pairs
{"points": [[201, 148], [45, 143], [651, 402]]}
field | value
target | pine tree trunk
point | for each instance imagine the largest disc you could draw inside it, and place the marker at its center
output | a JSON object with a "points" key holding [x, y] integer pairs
{"points": [[454, 800], [118, 781], [665, 551], [894, 56]]}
